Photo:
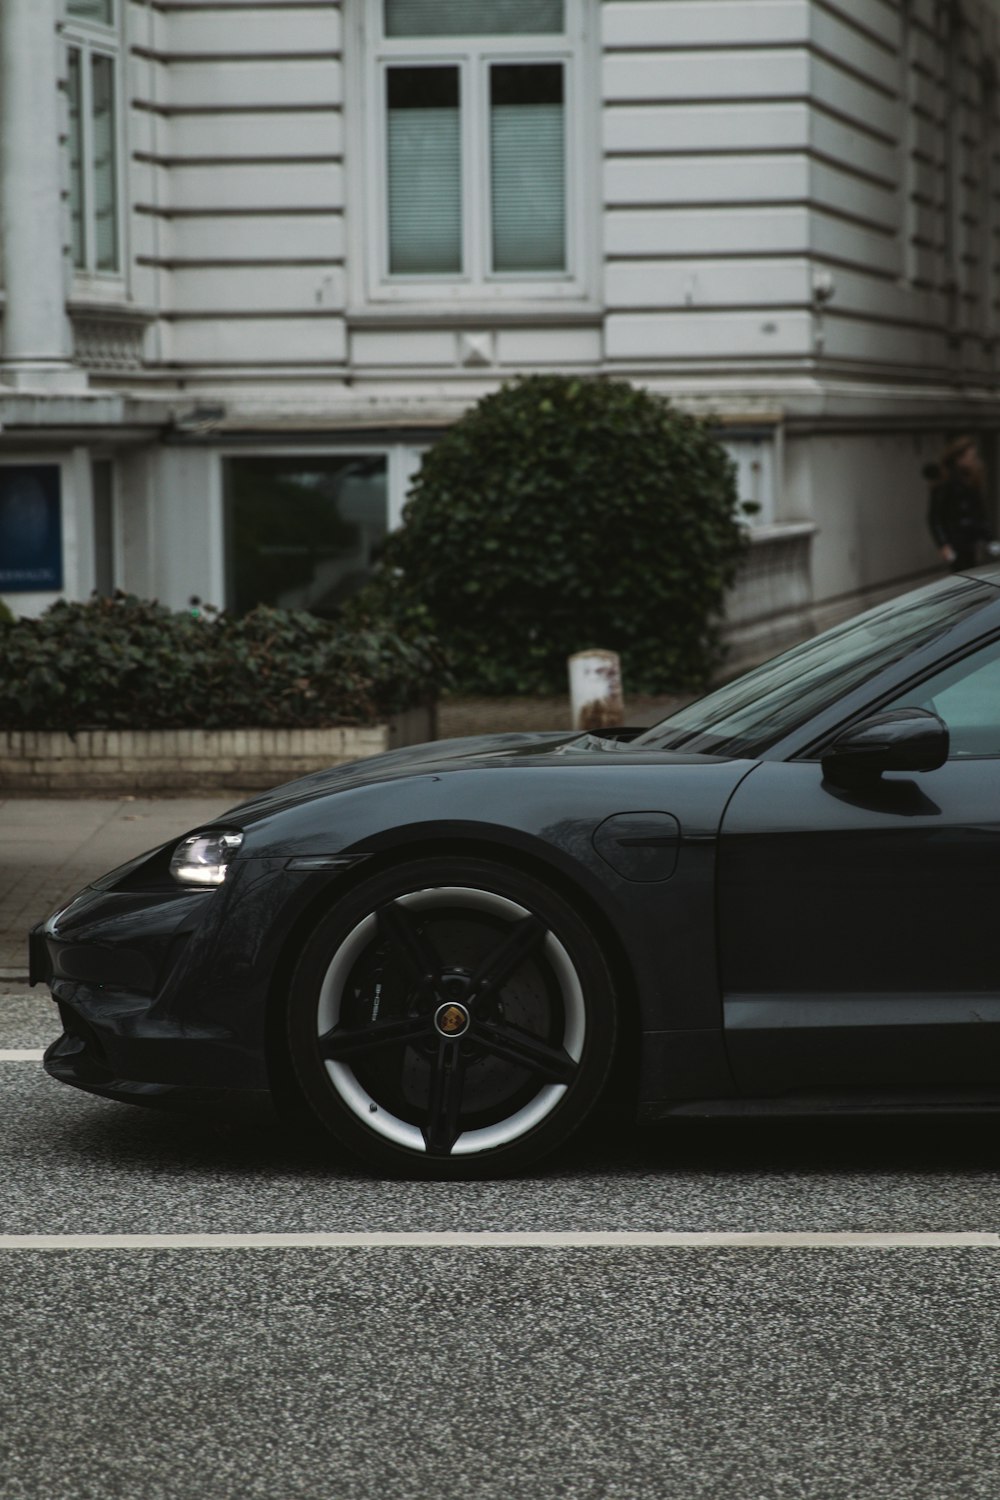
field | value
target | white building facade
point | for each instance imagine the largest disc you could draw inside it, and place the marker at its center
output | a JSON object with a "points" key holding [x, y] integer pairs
{"points": [[255, 257]]}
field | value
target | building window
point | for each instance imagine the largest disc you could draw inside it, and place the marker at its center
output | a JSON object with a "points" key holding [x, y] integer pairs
{"points": [[102, 482], [477, 148], [754, 457], [101, 11], [92, 136], [302, 531], [31, 543]]}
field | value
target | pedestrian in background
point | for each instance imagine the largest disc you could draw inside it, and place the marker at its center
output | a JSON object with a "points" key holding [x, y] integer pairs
{"points": [[957, 513]]}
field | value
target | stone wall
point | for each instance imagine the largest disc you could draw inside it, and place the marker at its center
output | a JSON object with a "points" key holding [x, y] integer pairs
{"points": [[117, 761]]}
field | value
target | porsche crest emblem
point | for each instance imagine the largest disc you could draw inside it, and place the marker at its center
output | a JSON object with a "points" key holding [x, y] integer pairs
{"points": [[451, 1020]]}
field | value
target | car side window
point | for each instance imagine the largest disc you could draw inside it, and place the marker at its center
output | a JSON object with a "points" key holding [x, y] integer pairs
{"points": [[966, 696]]}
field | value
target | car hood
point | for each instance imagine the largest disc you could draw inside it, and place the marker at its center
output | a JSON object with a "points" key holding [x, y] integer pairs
{"points": [[441, 756]]}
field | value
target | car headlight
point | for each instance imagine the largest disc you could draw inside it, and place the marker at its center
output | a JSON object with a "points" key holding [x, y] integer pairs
{"points": [[202, 858]]}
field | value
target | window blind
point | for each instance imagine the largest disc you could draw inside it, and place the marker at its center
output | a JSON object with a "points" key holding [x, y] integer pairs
{"points": [[425, 171], [473, 17], [527, 168]]}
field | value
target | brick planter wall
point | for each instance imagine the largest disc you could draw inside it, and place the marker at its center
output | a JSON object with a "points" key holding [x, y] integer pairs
{"points": [[125, 761]]}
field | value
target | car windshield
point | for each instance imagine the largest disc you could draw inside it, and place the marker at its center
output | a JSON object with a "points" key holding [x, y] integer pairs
{"points": [[747, 715]]}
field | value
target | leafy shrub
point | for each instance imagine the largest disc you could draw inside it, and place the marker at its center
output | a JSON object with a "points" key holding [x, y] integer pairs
{"points": [[128, 664], [560, 515]]}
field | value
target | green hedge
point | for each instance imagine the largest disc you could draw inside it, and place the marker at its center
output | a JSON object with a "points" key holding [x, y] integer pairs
{"points": [[125, 663]]}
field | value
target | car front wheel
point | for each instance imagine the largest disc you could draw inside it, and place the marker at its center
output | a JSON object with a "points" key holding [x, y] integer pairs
{"points": [[451, 1018]]}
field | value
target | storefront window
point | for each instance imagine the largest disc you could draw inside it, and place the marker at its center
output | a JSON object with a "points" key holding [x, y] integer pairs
{"points": [[103, 500], [302, 532], [31, 553]]}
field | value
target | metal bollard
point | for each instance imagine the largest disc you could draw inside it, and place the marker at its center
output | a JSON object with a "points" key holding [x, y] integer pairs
{"points": [[595, 690]]}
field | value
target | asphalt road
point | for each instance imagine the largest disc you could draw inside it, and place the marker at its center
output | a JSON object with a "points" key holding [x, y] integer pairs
{"points": [[231, 1372]]}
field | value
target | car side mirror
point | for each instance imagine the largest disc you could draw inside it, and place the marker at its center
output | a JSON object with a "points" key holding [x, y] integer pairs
{"points": [[900, 739]]}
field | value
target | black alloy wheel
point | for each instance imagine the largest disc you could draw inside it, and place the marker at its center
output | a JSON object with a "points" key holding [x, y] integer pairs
{"points": [[451, 1018]]}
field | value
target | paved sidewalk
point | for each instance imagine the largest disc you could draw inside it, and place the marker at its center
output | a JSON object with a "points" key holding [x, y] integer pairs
{"points": [[50, 847]]}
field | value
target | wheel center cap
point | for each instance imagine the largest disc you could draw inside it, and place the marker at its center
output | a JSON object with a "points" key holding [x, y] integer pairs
{"points": [[451, 1019]]}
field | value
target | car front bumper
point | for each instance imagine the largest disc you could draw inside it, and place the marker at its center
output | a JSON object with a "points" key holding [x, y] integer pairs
{"points": [[159, 1005]]}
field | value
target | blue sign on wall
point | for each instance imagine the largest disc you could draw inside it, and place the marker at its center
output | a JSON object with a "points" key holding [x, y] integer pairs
{"points": [[30, 529]]}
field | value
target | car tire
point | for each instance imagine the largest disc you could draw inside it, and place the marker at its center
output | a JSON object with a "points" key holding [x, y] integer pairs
{"points": [[451, 1018]]}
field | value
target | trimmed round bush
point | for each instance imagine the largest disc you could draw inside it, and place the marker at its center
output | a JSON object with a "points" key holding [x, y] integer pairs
{"points": [[560, 515]]}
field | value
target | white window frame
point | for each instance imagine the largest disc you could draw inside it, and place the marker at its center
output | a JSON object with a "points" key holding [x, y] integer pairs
{"points": [[95, 39], [476, 287]]}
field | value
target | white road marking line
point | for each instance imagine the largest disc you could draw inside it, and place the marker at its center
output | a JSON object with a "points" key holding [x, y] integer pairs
{"points": [[22, 1054], [516, 1239]]}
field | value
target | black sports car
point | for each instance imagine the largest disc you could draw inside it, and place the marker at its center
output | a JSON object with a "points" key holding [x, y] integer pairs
{"points": [[782, 899]]}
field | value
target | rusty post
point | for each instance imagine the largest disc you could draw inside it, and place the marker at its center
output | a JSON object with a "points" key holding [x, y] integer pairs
{"points": [[595, 690]]}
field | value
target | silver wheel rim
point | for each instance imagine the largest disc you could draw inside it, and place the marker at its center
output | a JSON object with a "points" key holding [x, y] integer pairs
{"points": [[372, 1114]]}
